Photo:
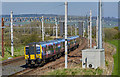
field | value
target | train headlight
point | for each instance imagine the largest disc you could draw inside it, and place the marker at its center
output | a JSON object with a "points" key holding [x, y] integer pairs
{"points": [[38, 56]]}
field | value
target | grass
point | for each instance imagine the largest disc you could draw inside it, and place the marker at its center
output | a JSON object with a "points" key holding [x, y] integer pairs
{"points": [[116, 58], [18, 51], [19, 48], [76, 71]]}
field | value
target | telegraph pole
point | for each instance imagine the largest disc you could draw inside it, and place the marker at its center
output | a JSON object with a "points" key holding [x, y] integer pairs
{"points": [[42, 28], [66, 13], [90, 29], [56, 27], [2, 38], [12, 50], [100, 27]]}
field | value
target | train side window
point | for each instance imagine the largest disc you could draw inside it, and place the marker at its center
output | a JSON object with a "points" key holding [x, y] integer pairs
{"points": [[50, 49], [56, 48], [59, 47], [45, 49], [63, 44]]}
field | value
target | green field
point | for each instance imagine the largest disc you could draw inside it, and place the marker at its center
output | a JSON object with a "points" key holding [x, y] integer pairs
{"points": [[116, 57]]}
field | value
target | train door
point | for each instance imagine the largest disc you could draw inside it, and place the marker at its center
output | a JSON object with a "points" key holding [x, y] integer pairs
{"points": [[63, 46], [54, 48], [32, 51], [59, 47], [44, 49]]}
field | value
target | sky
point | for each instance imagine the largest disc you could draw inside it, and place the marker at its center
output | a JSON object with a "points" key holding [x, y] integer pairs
{"points": [[110, 9], [58, 0]]}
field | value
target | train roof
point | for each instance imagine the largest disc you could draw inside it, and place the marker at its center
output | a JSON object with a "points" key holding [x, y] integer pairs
{"points": [[51, 42]]}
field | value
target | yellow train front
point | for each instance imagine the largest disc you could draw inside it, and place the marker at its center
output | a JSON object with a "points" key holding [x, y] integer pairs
{"points": [[38, 53], [33, 53]]}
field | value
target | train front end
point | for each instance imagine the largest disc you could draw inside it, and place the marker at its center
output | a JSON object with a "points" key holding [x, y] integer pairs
{"points": [[33, 54]]}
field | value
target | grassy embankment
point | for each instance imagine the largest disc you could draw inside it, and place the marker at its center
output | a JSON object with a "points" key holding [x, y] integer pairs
{"points": [[115, 56], [77, 70]]}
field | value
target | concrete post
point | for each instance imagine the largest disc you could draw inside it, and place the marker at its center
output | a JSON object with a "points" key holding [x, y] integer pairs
{"points": [[42, 28], [100, 27], [56, 27], [90, 29], [66, 12], [12, 50]]}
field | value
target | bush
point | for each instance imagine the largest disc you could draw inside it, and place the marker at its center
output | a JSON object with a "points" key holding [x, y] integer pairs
{"points": [[110, 33]]}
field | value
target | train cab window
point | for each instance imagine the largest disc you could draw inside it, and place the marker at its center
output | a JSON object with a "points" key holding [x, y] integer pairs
{"points": [[38, 50], [27, 50], [31, 49]]}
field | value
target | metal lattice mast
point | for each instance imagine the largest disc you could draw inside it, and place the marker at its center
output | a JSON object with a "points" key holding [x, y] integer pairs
{"points": [[100, 27], [12, 50], [66, 13], [42, 28], [90, 29]]}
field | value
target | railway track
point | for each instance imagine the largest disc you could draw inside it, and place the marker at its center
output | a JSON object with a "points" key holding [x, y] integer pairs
{"points": [[73, 56], [9, 61]]}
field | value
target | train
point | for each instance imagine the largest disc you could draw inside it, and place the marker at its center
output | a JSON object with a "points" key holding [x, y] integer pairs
{"points": [[40, 52]]}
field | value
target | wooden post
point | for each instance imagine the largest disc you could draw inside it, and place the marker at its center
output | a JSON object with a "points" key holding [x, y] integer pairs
{"points": [[2, 38]]}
